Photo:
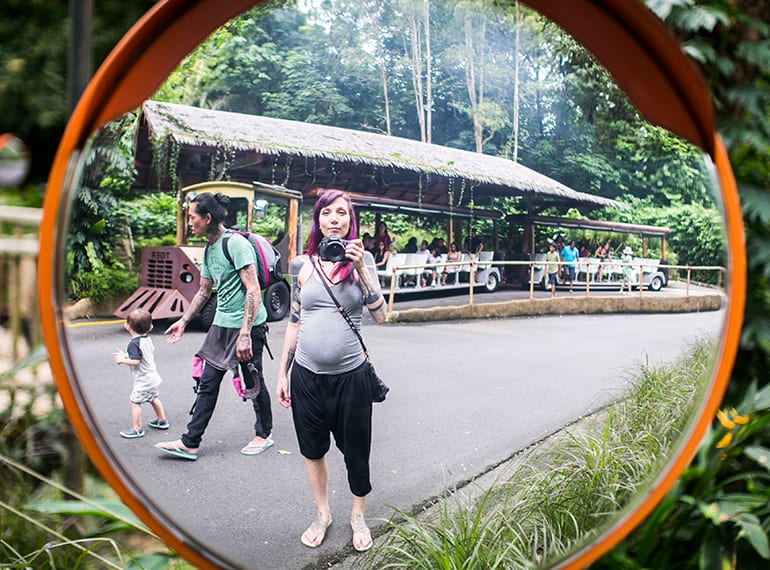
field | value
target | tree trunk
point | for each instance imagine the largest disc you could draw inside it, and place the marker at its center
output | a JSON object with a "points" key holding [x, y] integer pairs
{"points": [[417, 84], [377, 25], [516, 87], [475, 85], [428, 74]]}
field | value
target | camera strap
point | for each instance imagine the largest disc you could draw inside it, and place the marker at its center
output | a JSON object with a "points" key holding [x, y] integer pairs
{"points": [[340, 308]]}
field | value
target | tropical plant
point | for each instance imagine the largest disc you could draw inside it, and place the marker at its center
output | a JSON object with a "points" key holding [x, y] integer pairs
{"points": [[717, 515]]}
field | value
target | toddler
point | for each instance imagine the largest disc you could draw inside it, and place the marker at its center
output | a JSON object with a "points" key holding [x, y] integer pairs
{"points": [[140, 356]]}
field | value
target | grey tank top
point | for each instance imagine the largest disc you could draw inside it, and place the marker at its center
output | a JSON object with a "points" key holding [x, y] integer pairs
{"points": [[326, 344]]}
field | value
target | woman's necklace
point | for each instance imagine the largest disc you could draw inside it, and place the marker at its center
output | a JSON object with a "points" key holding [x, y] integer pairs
{"points": [[323, 271]]}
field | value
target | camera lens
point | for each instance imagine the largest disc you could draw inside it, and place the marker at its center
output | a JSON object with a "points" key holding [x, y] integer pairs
{"points": [[335, 251], [332, 248]]}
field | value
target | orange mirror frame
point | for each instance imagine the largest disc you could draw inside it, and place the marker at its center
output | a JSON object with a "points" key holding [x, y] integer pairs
{"points": [[629, 33]]}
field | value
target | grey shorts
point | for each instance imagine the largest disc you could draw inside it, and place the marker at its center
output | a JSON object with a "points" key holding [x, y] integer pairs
{"points": [[143, 396]]}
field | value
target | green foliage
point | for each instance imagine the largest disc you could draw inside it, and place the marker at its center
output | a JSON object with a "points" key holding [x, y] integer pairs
{"points": [[103, 283], [30, 196], [153, 242], [697, 233], [26, 435], [150, 216], [576, 125], [96, 224], [717, 515], [33, 67], [39, 527]]}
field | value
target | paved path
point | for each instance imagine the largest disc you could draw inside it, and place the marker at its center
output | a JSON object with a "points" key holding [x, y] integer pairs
{"points": [[464, 396]]}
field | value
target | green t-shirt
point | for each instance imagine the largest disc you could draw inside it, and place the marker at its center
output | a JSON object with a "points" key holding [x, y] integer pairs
{"points": [[231, 294], [552, 262]]}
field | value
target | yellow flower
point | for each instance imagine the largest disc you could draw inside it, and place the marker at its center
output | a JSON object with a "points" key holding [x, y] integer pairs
{"points": [[742, 420], [725, 441], [726, 422]]}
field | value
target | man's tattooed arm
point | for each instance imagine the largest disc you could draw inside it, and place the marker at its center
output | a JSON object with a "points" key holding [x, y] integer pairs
{"points": [[200, 298], [248, 277]]}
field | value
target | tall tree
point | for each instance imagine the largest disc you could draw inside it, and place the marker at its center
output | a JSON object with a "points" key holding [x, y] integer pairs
{"points": [[479, 56], [417, 47], [516, 49]]}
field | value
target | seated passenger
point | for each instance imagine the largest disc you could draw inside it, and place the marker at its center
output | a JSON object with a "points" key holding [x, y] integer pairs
{"points": [[452, 256], [381, 256], [382, 234], [475, 245], [411, 245], [604, 254], [369, 244], [430, 275], [424, 248]]}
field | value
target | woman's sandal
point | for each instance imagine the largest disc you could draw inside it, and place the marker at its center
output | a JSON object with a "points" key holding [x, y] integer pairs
{"points": [[362, 536], [314, 534]]}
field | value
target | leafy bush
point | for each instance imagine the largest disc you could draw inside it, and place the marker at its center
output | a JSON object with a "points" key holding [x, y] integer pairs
{"points": [[718, 514], [103, 281], [150, 216], [104, 284], [697, 235], [39, 526]]}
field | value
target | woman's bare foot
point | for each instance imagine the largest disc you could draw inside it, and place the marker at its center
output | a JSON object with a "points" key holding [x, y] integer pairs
{"points": [[316, 532], [362, 536]]}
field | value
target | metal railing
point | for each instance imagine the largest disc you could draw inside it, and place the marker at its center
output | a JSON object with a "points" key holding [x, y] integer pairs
{"points": [[688, 270]]}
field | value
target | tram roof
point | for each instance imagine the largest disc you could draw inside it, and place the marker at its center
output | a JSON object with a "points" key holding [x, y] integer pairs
{"points": [[602, 225], [302, 156]]}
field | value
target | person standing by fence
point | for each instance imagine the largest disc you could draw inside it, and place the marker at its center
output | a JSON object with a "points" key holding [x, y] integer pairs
{"points": [[552, 267], [569, 255]]}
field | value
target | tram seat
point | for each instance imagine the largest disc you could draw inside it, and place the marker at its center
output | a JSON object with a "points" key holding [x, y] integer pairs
{"points": [[394, 259], [410, 277], [613, 270], [650, 265], [589, 267], [485, 256], [466, 263]]}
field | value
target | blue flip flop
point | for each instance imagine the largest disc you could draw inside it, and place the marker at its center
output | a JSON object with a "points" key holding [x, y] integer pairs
{"points": [[177, 452], [257, 449]]}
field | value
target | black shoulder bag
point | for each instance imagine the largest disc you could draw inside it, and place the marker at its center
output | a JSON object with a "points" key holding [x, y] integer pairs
{"points": [[379, 389]]}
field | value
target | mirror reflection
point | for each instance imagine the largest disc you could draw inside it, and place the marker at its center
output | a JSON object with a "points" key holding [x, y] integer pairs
{"points": [[487, 129]]}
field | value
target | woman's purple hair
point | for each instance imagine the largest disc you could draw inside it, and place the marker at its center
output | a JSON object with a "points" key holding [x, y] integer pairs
{"points": [[326, 197]]}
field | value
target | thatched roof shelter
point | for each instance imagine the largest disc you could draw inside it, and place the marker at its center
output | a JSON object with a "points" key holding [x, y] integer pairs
{"points": [[211, 145]]}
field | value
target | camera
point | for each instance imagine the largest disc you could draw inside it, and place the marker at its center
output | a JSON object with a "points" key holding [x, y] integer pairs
{"points": [[332, 248]]}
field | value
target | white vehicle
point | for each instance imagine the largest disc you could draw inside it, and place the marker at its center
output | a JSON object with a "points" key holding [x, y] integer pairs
{"points": [[407, 269], [605, 274]]}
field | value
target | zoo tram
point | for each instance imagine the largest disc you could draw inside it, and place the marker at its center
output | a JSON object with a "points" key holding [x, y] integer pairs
{"points": [[288, 160]]}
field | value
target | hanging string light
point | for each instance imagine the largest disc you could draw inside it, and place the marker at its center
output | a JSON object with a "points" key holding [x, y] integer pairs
{"points": [[419, 190], [288, 170], [273, 168]]}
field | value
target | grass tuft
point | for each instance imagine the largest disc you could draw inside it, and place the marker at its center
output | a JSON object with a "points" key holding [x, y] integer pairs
{"points": [[558, 495]]}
